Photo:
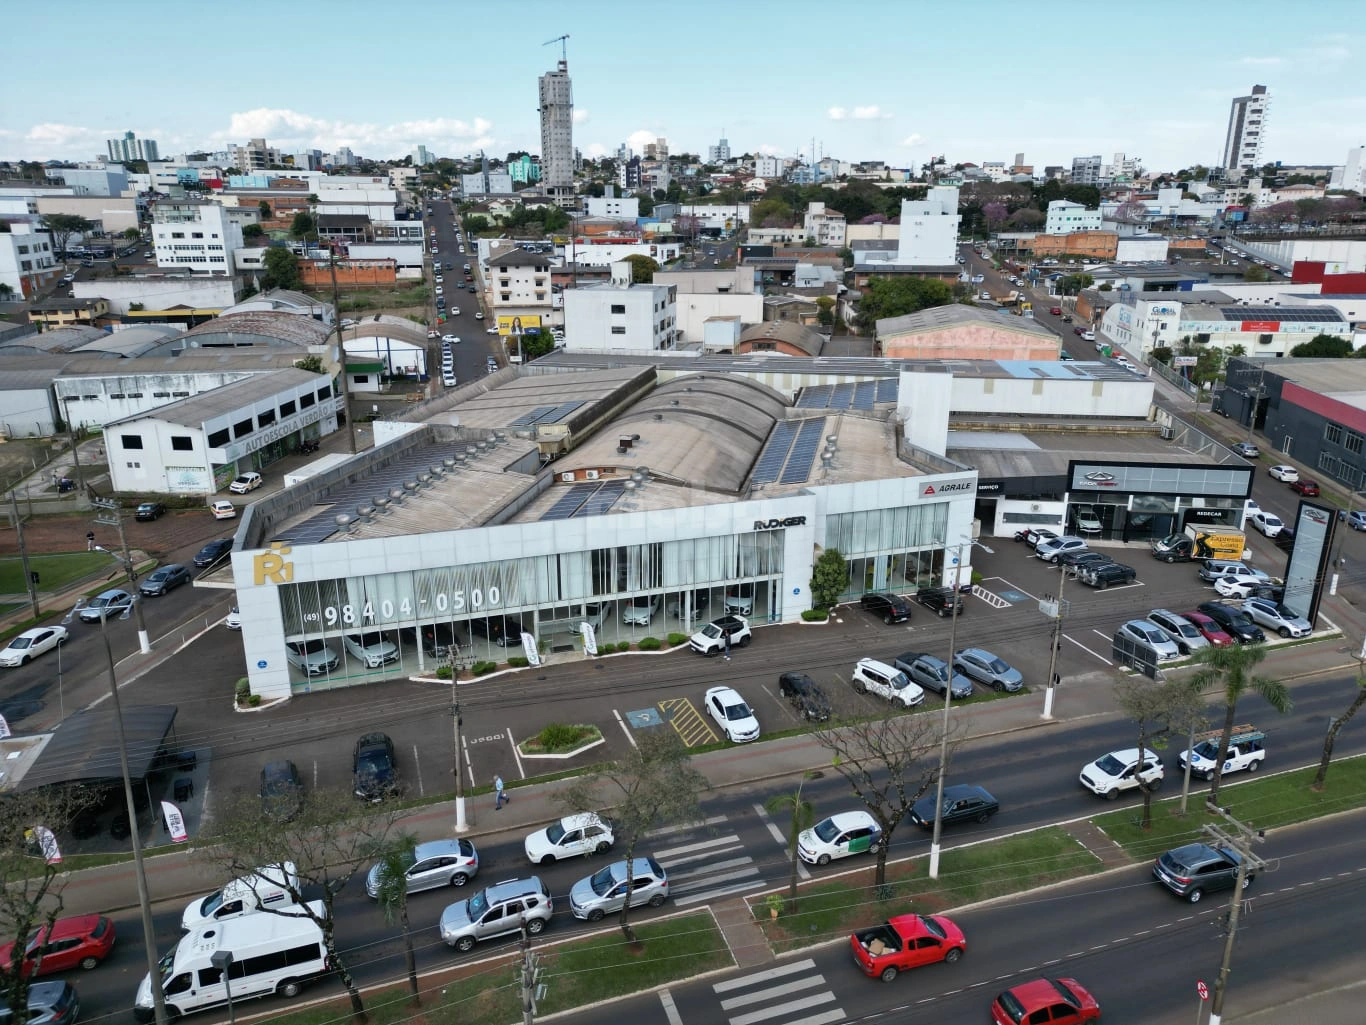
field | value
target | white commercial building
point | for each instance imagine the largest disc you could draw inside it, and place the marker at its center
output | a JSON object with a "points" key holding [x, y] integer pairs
{"points": [[1065, 217], [1154, 319], [382, 348], [623, 207], [197, 445], [586, 253], [155, 292], [518, 289], [929, 229], [1246, 129], [28, 262], [706, 296], [717, 217], [1351, 176], [620, 315], [1141, 249], [195, 235]]}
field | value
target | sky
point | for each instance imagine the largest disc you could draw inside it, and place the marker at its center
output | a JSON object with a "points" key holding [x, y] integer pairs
{"points": [[892, 80]]}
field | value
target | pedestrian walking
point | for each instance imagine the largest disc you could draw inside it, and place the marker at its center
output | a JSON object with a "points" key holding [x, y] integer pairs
{"points": [[54, 478], [89, 540], [500, 797], [727, 652]]}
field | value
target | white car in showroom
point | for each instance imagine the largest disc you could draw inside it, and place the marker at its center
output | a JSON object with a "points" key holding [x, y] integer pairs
{"points": [[371, 648]]}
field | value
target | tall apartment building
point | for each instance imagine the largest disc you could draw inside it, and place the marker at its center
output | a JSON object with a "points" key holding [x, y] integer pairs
{"points": [[929, 229], [720, 153], [1086, 170], [1352, 174], [557, 133], [657, 150], [421, 157], [195, 235], [130, 147], [1246, 124], [827, 227], [255, 155]]}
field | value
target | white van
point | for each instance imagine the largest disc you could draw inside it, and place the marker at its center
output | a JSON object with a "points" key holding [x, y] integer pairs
{"points": [[243, 896], [270, 954]]}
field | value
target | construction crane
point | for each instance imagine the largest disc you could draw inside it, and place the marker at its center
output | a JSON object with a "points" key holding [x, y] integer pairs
{"points": [[564, 54]]}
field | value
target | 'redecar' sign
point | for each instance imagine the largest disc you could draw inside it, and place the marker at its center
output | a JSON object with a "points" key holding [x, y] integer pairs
{"points": [[791, 521]]}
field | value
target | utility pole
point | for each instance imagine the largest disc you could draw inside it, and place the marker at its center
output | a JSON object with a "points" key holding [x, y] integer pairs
{"points": [[23, 553], [1239, 837], [457, 721], [529, 977], [1057, 608], [111, 516], [341, 346]]}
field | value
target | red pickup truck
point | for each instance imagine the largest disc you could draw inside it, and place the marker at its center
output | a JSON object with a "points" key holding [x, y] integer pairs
{"points": [[905, 942]]}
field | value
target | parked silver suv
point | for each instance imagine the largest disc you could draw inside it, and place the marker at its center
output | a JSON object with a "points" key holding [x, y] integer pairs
{"points": [[497, 910]]}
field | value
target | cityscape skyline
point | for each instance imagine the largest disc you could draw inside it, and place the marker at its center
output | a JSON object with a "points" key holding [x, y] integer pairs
{"points": [[976, 99]]}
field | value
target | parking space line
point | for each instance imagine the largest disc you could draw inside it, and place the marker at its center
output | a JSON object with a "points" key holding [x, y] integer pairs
{"points": [[1084, 648], [687, 722], [469, 765], [417, 764], [622, 723], [521, 769], [1015, 587]]}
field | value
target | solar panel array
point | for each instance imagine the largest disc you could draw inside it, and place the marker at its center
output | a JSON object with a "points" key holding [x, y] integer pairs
{"points": [[587, 498], [1293, 314], [546, 414], [803, 452], [321, 526], [775, 452], [848, 396]]}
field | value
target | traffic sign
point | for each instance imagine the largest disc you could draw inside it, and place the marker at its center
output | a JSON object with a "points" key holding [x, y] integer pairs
{"points": [[1202, 989]]}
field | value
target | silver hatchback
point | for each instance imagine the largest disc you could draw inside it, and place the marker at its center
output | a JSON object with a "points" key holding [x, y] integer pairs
{"points": [[430, 865], [604, 892]]}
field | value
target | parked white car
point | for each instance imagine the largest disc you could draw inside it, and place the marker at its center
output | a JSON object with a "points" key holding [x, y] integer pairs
{"points": [[571, 837], [732, 714], [638, 611], [371, 648], [874, 677], [32, 643], [1267, 522], [1283, 473]]}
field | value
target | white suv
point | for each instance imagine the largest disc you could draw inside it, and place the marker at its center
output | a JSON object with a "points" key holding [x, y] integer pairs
{"points": [[872, 676], [1119, 771]]}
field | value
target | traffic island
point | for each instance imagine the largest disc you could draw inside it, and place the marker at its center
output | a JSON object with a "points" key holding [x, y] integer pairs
{"points": [[560, 741]]}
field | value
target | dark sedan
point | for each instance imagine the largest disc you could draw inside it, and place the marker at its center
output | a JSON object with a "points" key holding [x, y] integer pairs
{"points": [[962, 803], [282, 791], [891, 607], [212, 552], [805, 695], [149, 511], [165, 579], [1234, 622]]}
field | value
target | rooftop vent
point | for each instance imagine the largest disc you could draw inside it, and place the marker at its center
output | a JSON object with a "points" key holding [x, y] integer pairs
{"points": [[365, 512], [625, 441], [659, 417], [397, 495], [621, 450], [382, 503]]}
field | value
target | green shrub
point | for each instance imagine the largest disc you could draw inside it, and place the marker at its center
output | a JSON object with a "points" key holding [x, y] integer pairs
{"points": [[815, 615], [557, 734], [243, 690], [676, 639], [624, 646], [480, 668], [254, 700], [518, 661], [444, 672], [651, 644]]}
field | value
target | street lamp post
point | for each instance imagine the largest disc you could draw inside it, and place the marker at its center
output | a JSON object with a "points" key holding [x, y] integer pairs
{"points": [[111, 516], [222, 960], [457, 721], [139, 870]]}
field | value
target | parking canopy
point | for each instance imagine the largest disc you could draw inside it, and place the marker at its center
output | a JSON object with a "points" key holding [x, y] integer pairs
{"points": [[84, 748]]}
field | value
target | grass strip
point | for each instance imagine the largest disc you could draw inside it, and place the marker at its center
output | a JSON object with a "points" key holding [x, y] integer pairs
{"points": [[1264, 802], [55, 571], [836, 908]]}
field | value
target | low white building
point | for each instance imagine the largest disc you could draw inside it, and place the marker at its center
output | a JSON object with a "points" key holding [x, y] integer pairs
{"points": [[826, 227], [707, 296], [157, 292], [408, 257], [380, 348], [1141, 249], [620, 316], [623, 207], [929, 229], [197, 445], [1065, 217], [586, 254], [1151, 320], [195, 235], [27, 260], [717, 216]]}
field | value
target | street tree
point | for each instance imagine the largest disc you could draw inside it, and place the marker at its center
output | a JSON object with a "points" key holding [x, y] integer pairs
{"points": [[642, 269], [653, 785], [1255, 273], [1231, 668], [1158, 707], [829, 579], [825, 310], [281, 269], [31, 895], [303, 226], [130, 233], [801, 815], [896, 297], [63, 226], [1335, 726], [889, 761], [395, 857], [264, 208], [1323, 346], [330, 839], [536, 344]]}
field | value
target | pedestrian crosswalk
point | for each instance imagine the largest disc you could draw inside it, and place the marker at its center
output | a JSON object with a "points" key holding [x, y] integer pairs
{"points": [[704, 863], [791, 994]]}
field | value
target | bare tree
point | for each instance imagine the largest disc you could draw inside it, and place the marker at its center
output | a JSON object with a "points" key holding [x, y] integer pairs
{"points": [[890, 762], [1156, 707], [329, 840], [654, 785], [1335, 726]]}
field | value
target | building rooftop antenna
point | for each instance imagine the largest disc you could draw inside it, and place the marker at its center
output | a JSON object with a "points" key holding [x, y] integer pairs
{"points": [[564, 50]]}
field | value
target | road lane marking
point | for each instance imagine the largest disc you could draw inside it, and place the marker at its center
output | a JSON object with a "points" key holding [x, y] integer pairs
{"points": [[777, 835], [764, 976], [670, 1011], [666, 830], [626, 729], [417, 764], [758, 996], [521, 769]]}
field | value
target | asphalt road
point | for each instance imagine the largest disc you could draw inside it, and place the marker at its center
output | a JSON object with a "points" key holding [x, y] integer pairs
{"points": [[1137, 948], [475, 344]]}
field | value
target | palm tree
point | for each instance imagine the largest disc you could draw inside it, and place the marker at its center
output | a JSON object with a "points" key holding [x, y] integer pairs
{"points": [[1231, 668], [1335, 726], [802, 813], [395, 858]]}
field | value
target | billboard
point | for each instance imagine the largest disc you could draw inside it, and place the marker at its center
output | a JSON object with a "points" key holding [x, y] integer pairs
{"points": [[518, 325], [1262, 326], [1308, 565]]}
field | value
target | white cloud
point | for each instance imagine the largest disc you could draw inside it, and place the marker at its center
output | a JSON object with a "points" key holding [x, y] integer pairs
{"points": [[580, 115], [596, 151], [289, 130], [914, 139], [769, 150], [1262, 62], [870, 113], [641, 138], [837, 113], [66, 138]]}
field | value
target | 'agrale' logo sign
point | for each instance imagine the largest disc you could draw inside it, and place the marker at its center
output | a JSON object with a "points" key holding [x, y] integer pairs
{"points": [[959, 485]]}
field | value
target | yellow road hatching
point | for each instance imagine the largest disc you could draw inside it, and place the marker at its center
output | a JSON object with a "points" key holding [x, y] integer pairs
{"points": [[688, 722]]}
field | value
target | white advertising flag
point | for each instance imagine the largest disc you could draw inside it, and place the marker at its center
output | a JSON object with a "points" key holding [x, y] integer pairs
{"points": [[175, 822], [4, 728], [52, 854], [533, 656], [590, 638]]}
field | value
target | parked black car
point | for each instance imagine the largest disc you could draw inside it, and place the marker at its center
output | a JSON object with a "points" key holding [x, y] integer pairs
{"points": [[1197, 869], [282, 791], [1076, 561], [891, 607], [962, 803], [1106, 574], [504, 631], [1234, 622], [212, 552], [806, 696], [942, 601], [374, 768], [1285, 539], [164, 579], [149, 511]]}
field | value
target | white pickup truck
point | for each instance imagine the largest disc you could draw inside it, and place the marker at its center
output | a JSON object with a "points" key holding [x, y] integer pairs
{"points": [[1246, 751]]}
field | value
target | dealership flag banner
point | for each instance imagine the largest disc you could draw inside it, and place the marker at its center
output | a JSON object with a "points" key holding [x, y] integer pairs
{"points": [[533, 655], [175, 822], [47, 843], [4, 728], [590, 638]]}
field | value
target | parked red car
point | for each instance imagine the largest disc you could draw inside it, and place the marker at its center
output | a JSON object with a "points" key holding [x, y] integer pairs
{"points": [[1211, 631], [1055, 310], [1306, 487], [1050, 1000], [80, 942]]}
